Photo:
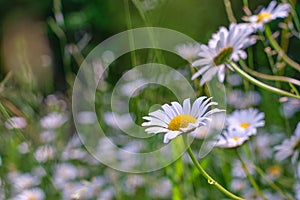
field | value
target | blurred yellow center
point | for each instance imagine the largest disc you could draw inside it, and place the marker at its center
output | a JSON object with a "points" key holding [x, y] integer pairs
{"points": [[262, 16], [274, 170], [236, 138], [32, 197], [244, 125], [181, 121]]}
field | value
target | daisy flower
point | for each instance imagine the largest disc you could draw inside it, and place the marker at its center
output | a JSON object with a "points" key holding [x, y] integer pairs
{"points": [[289, 147], [175, 119], [188, 51], [245, 121], [15, 123], [231, 139], [225, 44], [31, 194], [268, 14]]}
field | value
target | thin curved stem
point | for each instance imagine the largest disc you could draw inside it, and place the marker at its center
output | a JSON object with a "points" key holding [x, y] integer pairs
{"points": [[229, 11], [209, 178], [280, 51], [269, 77], [250, 178], [260, 84]]}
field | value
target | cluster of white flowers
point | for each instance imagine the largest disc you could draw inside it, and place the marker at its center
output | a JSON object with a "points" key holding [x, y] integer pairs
{"points": [[240, 126]]}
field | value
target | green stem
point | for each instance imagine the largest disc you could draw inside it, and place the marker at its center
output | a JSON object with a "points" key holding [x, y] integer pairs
{"points": [[210, 179], [272, 184], [245, 2], [250, 178], [260, 84], [269, 77], [294, 89], [294, 14], [129, 26], [157, 52], [229, 11], [277, 47]]}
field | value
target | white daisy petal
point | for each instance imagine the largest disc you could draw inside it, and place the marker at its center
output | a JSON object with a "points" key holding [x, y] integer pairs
{"points": [[177, 108], [171, 135], [186, 106]]}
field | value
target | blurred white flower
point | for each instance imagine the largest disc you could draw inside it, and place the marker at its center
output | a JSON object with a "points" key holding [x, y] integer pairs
{"points": [[47, 136], [64, 172], [268, 14], [188, 51], [118, 121], [31, 194], [245, 121], [24, 181], [231, 139], [175, 119], [161, 189], [69, 189], [238, 170], [45, 153], [296, 188], [86, 117], [53, 120], [134, 181], [238, 184], [148, 5], [226, 44], [56, 104], [241, 100], [74, 154], [289, 147], [15, 123], [39, 171], [23, 148], [87, 190], [106, 194], [234, 79], [290, 107], [262, 145], [133, 87]]}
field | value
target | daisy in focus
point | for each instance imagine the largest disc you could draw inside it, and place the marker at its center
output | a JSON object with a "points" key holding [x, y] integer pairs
{"points": [[175, 119], [245, 121], [289, 147], [268, 14], [225, 44]]}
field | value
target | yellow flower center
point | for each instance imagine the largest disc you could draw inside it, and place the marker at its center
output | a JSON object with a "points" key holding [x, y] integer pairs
{"points": [[274, 170], [32, 197], [244, 125], [222, 57], [262, 16], [181, 121], [236, 138]]}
